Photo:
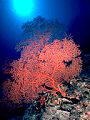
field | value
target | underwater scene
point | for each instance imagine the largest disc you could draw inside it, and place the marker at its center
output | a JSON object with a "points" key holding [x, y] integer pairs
{"points": [[44, 60]]}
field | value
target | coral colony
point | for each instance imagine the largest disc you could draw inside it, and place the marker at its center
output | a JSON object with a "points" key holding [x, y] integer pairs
{"points": [[42, 63]]}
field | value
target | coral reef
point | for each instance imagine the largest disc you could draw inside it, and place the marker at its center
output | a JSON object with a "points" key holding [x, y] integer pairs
{"points": [[42, 63]]}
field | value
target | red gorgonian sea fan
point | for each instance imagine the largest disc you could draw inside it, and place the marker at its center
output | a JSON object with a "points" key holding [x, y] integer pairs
{"points": [[42, 63]]}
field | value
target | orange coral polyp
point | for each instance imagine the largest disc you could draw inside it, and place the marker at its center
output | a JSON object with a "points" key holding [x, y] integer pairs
{"points": [[41, 63]]}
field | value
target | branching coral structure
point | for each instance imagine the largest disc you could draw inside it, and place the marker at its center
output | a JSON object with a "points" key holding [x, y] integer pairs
{"points": [[42, 63]]}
